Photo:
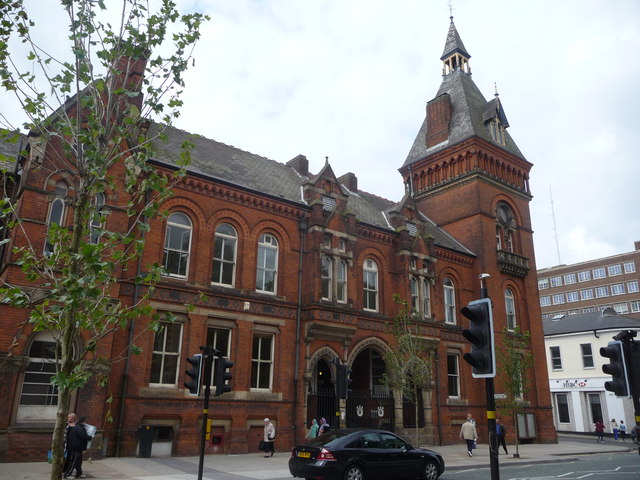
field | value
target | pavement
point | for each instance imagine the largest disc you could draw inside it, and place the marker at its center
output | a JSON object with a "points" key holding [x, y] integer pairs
{"points": [[255, 466]]}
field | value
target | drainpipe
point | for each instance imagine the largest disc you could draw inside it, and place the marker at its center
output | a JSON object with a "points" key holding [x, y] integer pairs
{"points": [[302, 227], [438, 425], [127, 365]]}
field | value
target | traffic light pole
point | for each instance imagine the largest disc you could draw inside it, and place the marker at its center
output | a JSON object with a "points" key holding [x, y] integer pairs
{"points": [[208, 361], [491, 411], [491, 423]]}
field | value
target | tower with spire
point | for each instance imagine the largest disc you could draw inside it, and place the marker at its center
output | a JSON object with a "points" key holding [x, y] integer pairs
{"points": [[466, 173]]}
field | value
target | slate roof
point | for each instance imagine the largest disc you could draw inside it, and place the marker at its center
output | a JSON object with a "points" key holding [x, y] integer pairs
{"points": [[453, 43], [469, 107], [231, 165], [9, 150], [589, 322]]}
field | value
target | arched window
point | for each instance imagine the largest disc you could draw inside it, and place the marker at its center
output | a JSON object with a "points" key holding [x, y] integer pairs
{"points": [[177, 245], [370, 282], [39, 398], [505, 227], [56, 214], [449, 301], [415, 294], [426, 298], [341, 282], [96, 222], [510, 305], [267, 268], [327, 274], [224, 255]]}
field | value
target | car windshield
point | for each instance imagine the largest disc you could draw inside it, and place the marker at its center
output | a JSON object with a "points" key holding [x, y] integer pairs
{"points": [[327, 439]]}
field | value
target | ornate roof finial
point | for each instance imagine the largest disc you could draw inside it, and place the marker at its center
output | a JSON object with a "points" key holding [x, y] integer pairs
{"points": [[450, 11], [326, 160], [495, 86]]}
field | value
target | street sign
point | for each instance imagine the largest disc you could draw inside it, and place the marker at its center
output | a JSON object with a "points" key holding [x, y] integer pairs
{"points": [[499, 396]]}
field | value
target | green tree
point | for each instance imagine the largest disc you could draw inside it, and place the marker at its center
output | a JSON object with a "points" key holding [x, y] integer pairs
{"points": [[514, 360], [409, 361], [89, 113]]}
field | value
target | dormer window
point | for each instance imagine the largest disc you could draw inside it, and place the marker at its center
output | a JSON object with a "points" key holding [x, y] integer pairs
{"points": [[497, 131]]}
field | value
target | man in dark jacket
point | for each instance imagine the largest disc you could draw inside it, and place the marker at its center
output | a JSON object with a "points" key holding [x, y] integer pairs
{"points": [[76, 440], [501, 434]]}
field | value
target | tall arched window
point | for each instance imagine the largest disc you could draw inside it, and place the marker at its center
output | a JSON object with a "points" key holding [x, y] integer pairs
{"points": [[267, 268], [449, 301], [56, 214], [224, 255], [341, 282], [415, 294], [39, 398], [510, 305], [426, 298], [177, 245], [370, 282], [505, 227], [327, 274]]}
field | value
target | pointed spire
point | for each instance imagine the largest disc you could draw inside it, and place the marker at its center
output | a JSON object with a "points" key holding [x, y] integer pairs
{"points": [[454, 43]]}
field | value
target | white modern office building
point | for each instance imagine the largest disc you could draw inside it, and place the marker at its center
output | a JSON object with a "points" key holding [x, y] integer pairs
{"points": [[576, 379]]}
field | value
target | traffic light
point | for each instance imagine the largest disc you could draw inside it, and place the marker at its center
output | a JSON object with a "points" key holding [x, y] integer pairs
{"points": [[617, 368], [633, 369], [222, 375], [195, 373], [480, 333], [344, 381]]}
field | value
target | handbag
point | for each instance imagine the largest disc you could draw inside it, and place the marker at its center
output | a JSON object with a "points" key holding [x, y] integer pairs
{"points": [[475, 444], [261, 445]]}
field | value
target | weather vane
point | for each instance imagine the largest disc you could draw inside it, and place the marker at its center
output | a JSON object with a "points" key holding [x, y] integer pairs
{"points": [[450, 10]]}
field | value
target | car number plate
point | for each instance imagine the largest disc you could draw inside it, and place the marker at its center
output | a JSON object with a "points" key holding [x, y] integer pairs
{"points": [[304, 454]]}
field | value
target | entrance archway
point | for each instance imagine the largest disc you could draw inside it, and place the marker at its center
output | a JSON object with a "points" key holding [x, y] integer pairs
{"points": [[370, 403], [321, 396]]}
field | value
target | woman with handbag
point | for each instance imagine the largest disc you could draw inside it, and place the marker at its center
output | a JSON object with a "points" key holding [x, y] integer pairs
{"points": [[269, 437]]}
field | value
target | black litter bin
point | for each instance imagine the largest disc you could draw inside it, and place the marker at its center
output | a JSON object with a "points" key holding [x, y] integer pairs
{"points": [[146, 434]]}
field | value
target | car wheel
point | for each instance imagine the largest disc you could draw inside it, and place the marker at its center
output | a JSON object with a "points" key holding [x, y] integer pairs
{"points": [[430, 471], [353, 472]]}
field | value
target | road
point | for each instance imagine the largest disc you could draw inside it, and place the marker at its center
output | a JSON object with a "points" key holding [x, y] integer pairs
{"points": [[616, 466]]}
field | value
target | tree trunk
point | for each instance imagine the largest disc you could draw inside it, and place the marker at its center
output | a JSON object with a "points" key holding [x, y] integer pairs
{"points": [[415, 404], [57, 446], [515, 426]]}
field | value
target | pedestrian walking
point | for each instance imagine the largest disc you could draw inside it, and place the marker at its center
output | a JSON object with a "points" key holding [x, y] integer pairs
{"points": [[313, 430], [324, 426], [268, 438], [622, 430], [614, 428], [469, 434], [75, 442], [599, 431], [501, 433]]}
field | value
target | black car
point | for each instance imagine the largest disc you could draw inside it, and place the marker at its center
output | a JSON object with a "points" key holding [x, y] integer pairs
{"points": [[350, 454]]}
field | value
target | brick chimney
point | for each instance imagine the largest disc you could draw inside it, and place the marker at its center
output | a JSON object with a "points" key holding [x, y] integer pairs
{"points": [[438, 119], [300, 164], [128, 73], [350, 181], [637, 244]]}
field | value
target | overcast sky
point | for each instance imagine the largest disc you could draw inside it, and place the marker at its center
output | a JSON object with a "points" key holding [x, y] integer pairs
{"points": [[349, 79]]}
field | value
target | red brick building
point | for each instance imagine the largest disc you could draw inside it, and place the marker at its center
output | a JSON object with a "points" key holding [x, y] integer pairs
{"points": [[299, 269]]}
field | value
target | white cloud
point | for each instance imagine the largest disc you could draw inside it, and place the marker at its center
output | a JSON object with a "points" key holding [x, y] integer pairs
{"points": [[349, 79]]}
